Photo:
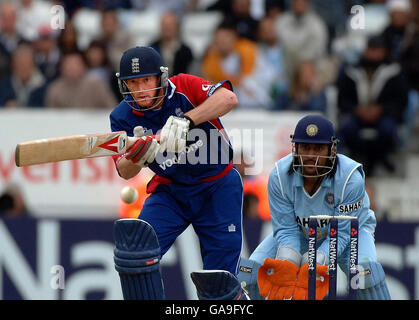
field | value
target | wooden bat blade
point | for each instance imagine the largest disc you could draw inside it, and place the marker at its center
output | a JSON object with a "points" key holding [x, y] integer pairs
{"points": [[71, 147]]}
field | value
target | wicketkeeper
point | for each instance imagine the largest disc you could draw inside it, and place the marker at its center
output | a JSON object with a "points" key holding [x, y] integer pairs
{"points": [[313, 180]]}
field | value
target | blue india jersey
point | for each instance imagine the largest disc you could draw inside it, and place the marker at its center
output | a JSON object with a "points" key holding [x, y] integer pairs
{"points": [[291, 205]]}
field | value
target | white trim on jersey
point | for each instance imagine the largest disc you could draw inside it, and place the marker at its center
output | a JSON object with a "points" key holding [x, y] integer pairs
{"points": [[279, 179], [346, 182]]}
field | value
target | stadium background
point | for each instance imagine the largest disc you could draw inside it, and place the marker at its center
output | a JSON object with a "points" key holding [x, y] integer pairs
{"points": [[62, 214]]}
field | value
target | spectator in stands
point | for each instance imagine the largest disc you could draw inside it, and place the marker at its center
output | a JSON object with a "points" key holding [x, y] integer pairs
{"points": [[334, 14], [176, 55], [68, 39], [97, 61], [179, 7], [372, 20], [239, 11], [222, 6], [105, 4], [372, 98], [229, 56], [12, 203], [259, 88], [246, 25], [99, 66], [235, 58], [25, 87], [32, 14], [415, 11], [307, 92], [114, 37], [47, 53], [410, 62], [9, 37], [75, 89], [401, 29], [273, 8], [302, 34], [70, 6], [270, 71]]}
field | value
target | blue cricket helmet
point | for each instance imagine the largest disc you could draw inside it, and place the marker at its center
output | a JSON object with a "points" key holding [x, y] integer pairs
{"points": [[140, 62], [314, 129]]}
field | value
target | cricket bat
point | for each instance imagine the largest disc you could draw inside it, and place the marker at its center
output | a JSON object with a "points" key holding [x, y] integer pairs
{"points": [[72, 147]]}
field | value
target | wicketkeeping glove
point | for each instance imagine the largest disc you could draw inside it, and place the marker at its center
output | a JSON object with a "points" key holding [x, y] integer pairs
{"points": [[322, 283], [144, 150], [276, 279], [174, 133]]}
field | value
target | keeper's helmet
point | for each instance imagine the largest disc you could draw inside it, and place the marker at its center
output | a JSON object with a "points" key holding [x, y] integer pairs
{"points": [[141, 62], [314, 129]]}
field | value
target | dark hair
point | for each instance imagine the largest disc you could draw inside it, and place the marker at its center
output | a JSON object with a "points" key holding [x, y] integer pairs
{"points": [[6, 202], [76, 53], [227, 23], [273, 4], [64, 46], [376, 41], [112, 12], [97, 44]]}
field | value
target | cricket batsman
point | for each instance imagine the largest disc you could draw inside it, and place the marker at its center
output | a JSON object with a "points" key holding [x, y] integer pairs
{"points": [[313, 180], [195, 181]]}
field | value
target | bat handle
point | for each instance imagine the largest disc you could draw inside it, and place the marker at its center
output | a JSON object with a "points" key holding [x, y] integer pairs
{"points": [[131, 140]]}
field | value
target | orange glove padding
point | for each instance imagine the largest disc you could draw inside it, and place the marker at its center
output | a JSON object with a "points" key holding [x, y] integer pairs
{"points": [[301, 287], [276, 279]]}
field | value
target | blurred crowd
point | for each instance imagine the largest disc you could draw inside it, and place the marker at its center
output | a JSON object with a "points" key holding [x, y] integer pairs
{"points": [[356, 60]]}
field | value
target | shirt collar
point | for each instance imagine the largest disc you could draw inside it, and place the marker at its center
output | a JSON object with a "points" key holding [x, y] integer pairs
{"points": [[171, 89]]}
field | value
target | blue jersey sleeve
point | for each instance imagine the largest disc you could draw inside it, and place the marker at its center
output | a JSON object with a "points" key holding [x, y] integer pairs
{"points": [[115, 126], [285, 228], [115, 119]]}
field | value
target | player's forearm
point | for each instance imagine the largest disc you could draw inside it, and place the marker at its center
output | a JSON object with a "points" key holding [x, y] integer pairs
{"points": [[127, 169], [217, 105]]}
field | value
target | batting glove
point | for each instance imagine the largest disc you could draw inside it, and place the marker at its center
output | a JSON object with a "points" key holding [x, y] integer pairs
{"points": [[144, 150], [174, 133]]}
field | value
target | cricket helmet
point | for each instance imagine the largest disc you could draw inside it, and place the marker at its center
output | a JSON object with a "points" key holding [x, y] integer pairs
{"points": [[314, 129], [139, 62]]}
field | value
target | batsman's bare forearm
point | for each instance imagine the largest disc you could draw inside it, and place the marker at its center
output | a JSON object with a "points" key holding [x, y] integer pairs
{"points": [[127, 169], [217, 105]]}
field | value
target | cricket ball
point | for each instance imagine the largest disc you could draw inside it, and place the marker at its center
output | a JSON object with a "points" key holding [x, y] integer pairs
{"points": [[129, 194]]}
